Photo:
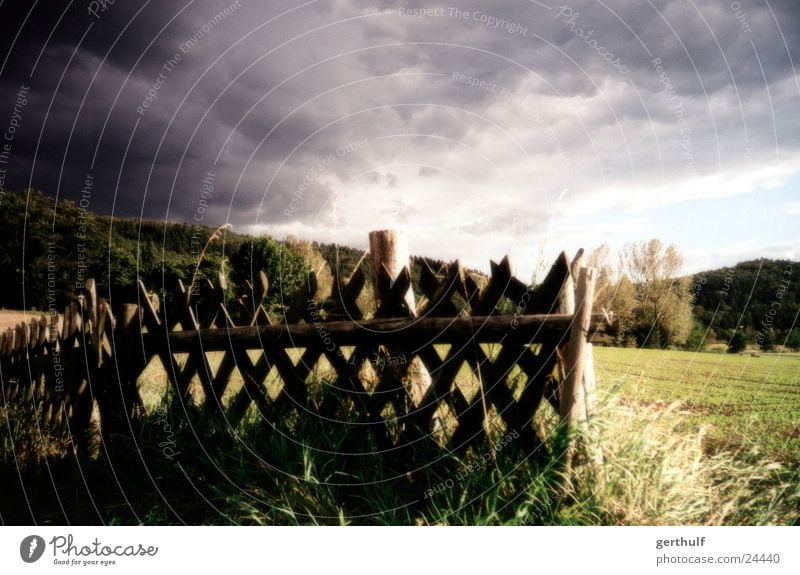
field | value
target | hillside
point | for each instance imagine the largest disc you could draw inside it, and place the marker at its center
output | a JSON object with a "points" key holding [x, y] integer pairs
{"points": [[760, 296]]}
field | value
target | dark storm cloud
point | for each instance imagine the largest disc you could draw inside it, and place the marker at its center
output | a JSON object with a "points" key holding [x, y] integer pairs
{"points": [[509, 101]]}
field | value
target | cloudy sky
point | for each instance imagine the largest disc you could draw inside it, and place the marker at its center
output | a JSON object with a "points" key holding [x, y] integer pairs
{"points": [[483, 128]]}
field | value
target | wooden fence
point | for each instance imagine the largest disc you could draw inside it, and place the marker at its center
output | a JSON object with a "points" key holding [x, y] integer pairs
{"points": [[398, 370]]}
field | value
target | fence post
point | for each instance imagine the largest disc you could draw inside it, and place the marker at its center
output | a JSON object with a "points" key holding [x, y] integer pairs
{"points": [[131, 360], [84, 426], [572, 387], [587, 402], [389, 249]]}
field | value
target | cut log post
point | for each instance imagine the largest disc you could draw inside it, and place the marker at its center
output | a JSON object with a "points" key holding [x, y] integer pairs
{"points": [[587, 389], [572, 387], [572, 397], [589, 382], [594, 451], [389, 250], [588, 399], [566, 305]]}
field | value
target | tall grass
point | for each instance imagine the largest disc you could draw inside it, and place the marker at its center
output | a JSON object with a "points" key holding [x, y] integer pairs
{"points": [[305, 471], [656, 472], [25, 444]]}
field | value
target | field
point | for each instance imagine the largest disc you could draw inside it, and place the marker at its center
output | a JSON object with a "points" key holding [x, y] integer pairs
{"points": [[744, 402], [9, 318]]}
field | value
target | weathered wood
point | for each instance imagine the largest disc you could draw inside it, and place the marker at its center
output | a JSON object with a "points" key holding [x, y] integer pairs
{"points": [[570, 292], [483, 329], [547, 294], [252, 376], [149, 313], [151, 322], [571, 393], [566, 299], [197, 363], [538, 369], [579, 333], [391, 266], [495, 290], [439, 294], [344, 296], [44, 331], [393, 292], [20, 339], [576, 264], [33, 334], [134, 359], [589, 382], [389, 249]]}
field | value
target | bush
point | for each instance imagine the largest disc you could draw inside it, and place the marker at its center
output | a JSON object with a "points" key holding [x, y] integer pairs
{"points": [[697, 337]]}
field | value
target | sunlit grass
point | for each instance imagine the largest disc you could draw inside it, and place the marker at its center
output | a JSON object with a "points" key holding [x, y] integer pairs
{"points": [[743, 402], [686, 440]]}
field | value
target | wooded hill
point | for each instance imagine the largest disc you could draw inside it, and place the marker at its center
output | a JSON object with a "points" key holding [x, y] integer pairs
{"points": [[761, 297]]}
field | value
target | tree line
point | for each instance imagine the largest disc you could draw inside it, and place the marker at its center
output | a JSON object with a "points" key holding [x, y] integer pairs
{"points": [[754, 302], [50, 249]]}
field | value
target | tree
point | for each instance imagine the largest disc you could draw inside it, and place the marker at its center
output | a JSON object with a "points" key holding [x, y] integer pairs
{"points": [[45, 246], [623, 304], [314, 260], [613, 292], [600, 260], [793, 341], [738, 343], [767, 340], [662, 315]]}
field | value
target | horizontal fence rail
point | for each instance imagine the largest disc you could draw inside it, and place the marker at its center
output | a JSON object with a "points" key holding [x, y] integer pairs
{"points": [[479, 329]]}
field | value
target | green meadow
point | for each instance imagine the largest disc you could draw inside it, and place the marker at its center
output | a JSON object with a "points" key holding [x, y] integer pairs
{"points": [[740, 401]]}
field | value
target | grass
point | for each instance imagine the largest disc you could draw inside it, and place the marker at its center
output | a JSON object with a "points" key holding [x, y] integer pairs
{"points": [[743, 402], [687, 439]]}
